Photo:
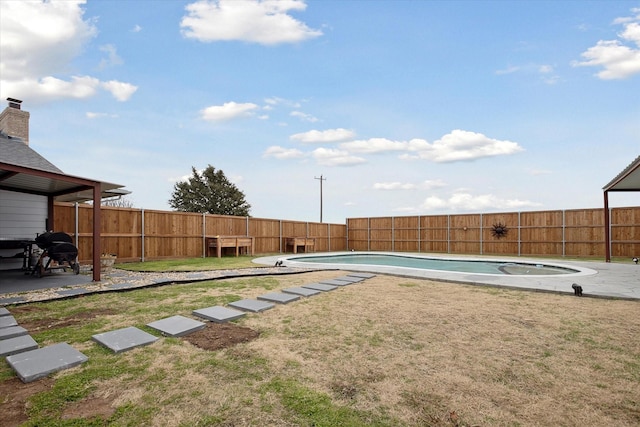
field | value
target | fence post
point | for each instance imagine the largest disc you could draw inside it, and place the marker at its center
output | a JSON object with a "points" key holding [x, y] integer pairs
{"points": [[448, 234], [564, 226], [393, 235], [419, 235], [77, 233], [328, 237], [481, 239], [519, 235], [204, 235], [369, 234], [280, 236], [142, 236]]}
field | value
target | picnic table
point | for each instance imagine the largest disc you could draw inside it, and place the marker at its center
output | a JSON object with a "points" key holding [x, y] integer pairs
{"points": [[240, 243]]}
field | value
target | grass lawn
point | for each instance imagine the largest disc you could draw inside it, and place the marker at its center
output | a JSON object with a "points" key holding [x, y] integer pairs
{"points": [[390, 351]]}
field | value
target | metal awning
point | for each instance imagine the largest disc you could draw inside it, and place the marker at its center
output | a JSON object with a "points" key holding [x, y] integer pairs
{"points": [[62, 187], [627, 180]]}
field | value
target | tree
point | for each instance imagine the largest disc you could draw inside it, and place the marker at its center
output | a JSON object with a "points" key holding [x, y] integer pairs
{"points": [[211, 192]]}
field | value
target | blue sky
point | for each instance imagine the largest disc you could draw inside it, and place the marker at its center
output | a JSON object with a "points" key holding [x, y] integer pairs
{"points": [[405, 107]]}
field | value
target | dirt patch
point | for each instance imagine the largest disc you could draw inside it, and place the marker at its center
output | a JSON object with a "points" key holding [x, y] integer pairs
{"points": [[91, 407], [52, 323], [216, 336], [13, 398]]}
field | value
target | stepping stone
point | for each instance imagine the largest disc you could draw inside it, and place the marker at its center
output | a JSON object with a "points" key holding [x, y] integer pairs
{"points": [[7, 321], [17, 345], [11, 332], [335, 282], [301, 291], [176, 326], [279, 297], [350, 279], [41, 362], [219, 314], [4, 311], [124, 339], [251, 305], [12, 300], [71, 292], [362, 275], [320, 287]]}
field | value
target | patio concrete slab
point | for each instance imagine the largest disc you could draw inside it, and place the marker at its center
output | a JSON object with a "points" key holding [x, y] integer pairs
{"points": [[177, 326], [299, 290], [17, 345], [4, 312], [279, 297], [11, 300], [124, 285], [12, 331], [72, 292], [251, 305], [35, 364], [320, 287], [124, 339], [7, 321], [219, 314], [335, 282]]}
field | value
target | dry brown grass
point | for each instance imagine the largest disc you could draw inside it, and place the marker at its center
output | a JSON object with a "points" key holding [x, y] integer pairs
{"points": [[413, 351], [423, 349]]}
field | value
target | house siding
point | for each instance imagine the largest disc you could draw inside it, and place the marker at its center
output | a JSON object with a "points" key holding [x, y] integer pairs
{"points": [[22, 216]]}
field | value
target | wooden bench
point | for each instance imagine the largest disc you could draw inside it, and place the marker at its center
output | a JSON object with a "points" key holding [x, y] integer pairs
{"points": [[308, 243], [238, 242]]}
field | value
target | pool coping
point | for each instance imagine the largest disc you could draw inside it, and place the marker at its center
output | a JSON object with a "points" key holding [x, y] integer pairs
{"points": [[598, 279]]}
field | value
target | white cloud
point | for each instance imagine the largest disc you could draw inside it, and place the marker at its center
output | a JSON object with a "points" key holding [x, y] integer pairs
{"points": [[375, 145], [618, 60], [394, 186], [323, 136], [227, 111], [430, 184], [509, 70], [460, 145], [467, 202], [136, 29], [112, 57], [40, 39], [332, 157], [263, 22], [282, 153], [303, 116], [92, 115], [120, 90]]}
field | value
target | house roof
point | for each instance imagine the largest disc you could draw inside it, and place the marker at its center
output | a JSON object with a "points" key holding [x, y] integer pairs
{"points": [[627, 180], [22, 169]]}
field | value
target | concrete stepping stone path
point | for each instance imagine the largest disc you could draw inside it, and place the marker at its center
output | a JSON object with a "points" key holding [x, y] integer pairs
{"points": [[251, 305], [219, 314], [35, 364], [305, 292], [12, 332], [124, 339], [361, 274], [4, 311], [17, 345], [7, 321], [320, 287], [335, 282], [176, 326], [279, 297]]}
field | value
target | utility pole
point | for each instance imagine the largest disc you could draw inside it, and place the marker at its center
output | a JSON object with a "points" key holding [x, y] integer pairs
{"points": [[321, 179]]}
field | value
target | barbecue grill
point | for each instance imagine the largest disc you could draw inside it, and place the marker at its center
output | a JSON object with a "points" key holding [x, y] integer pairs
{"points": [[58, 253]]}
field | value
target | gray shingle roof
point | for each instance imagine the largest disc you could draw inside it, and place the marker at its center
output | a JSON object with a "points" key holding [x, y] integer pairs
{"points": [[15, 152]]}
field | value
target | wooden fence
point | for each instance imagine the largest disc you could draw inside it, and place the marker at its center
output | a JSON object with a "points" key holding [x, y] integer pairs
{"points": [[139, 234], [570, 233]]}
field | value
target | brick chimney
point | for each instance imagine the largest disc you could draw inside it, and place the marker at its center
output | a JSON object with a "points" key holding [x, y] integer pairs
{"points": [[15, 122]]}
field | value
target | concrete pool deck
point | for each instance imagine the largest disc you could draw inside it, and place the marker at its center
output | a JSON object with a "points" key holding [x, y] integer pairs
{"points": [[597, 278]]}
